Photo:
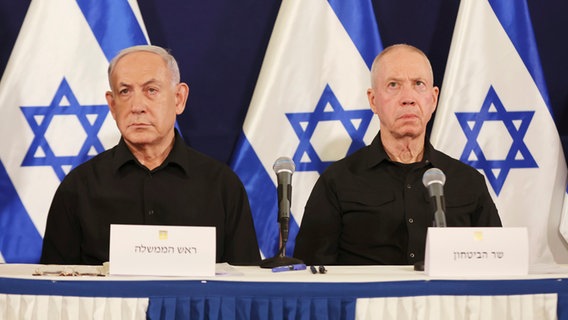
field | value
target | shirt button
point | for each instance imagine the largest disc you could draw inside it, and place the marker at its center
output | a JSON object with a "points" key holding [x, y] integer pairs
{"points": [[408, 186], [412, 255], [150, 212], [411, 220]]}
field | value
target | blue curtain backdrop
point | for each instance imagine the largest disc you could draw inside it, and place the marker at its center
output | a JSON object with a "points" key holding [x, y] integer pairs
{"points": [[220, 45]]}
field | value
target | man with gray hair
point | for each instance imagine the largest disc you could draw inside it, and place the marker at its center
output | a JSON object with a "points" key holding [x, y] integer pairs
{"points": [[151, 177], [371, 207]]}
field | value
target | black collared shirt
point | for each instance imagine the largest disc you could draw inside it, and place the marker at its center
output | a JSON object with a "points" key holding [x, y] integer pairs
{"points": [[188, 189], [366, 209]]}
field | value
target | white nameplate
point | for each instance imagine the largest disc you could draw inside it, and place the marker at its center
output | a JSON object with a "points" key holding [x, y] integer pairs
{"points": [[476, 252], [162, 250]]}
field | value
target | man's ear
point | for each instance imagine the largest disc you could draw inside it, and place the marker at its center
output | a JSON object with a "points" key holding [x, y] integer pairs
{"points": [[111, 104], [435, 94], [182, 92], [371, 97]]}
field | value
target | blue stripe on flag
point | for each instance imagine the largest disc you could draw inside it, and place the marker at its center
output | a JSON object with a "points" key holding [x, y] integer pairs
{"points": [[515, 18], [113, 24], [254, 177], [20, 241], [358, 19]]}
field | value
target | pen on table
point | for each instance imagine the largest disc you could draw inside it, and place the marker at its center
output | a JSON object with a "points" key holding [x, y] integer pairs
{"points": [[297, 266]]}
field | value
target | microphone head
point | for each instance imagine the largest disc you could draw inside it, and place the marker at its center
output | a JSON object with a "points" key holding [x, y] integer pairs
{"points": [[284, 164], [433, 175]]}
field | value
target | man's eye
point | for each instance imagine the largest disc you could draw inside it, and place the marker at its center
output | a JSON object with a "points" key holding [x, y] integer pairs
{"points": [[123, 91], [152, 90], [392, 84]]}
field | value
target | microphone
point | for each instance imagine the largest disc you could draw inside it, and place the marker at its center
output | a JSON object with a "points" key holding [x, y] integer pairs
{"points": [[284, 168], [434, 180]]}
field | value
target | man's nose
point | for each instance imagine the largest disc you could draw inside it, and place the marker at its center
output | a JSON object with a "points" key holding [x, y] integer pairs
{"points": [[407, 97], [138, 102], [408, 102]]}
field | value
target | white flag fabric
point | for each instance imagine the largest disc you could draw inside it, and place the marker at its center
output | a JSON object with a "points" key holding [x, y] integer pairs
{"points": [[54, 112], [564, 217], [309, 104], [493, 114]]}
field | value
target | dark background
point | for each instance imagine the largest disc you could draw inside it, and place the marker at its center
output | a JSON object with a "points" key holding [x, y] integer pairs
{"points": [[220, 45]]}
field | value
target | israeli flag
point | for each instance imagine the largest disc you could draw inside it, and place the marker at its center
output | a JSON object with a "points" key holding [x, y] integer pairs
{"points": [[309, 104], [54, 112], [494, 114], [564, 217]]}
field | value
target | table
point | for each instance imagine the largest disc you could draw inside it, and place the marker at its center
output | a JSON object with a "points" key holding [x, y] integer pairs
{"points": [[344, 292]]}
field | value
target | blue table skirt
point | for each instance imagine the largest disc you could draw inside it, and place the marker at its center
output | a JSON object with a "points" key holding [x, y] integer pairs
{"points": [[194, 299]]}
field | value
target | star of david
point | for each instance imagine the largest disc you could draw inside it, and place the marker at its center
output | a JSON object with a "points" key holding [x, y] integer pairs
{"points": [[91, 118], [320, 114], [518, 155]]}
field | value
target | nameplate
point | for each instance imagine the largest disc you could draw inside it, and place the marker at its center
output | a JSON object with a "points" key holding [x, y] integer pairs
{"points": [[162, 250], [476, 252]]}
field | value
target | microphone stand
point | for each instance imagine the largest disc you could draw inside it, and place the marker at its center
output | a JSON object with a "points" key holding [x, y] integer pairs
{"points": [[281, 259], [439, 222]]}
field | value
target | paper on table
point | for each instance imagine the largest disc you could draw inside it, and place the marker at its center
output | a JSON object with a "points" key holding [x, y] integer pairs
{"points": [[70, 270], [225, 269]]}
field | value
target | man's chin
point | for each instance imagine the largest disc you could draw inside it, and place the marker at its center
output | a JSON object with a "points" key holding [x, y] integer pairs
{"points": [[409, 133], [138, 138]]}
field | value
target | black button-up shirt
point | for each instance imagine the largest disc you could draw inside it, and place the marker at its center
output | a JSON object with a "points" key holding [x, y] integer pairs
{"points": [[366, 209], [114, 188]]}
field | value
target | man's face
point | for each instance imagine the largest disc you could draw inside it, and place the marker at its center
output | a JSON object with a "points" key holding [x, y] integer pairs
{"points": [[403, 95], [144, 102]]}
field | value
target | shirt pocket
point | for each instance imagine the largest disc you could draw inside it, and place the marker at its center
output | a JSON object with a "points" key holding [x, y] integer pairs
{"points": [[357, 201], [366, 215], [460, 209]]}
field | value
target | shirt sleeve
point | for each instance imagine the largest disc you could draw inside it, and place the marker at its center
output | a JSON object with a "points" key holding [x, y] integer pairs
{"points": [[318, 239], [487, 214], [61, 242], [241, 245]]}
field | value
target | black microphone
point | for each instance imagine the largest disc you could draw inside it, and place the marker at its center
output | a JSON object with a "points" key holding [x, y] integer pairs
{"points": [[284, 168], [434, 180]]}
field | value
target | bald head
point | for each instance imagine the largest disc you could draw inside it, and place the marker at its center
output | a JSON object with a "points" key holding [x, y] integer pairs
{"points": [[394, 49]]}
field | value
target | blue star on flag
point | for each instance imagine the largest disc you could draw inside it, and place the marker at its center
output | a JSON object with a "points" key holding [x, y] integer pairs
{"points": [[312, 119], [91, 118], [518, 155]]}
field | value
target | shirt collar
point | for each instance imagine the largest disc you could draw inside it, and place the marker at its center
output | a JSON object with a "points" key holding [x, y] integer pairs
{"points": [[123, 155], [378, 153]]}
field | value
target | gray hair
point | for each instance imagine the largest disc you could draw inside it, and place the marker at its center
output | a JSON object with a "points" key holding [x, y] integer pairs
{"points": [[388, 49], [166, 56]]}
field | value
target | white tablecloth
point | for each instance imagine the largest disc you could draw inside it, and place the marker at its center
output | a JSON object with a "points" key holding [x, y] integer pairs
{"points": [[400, 302]]}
